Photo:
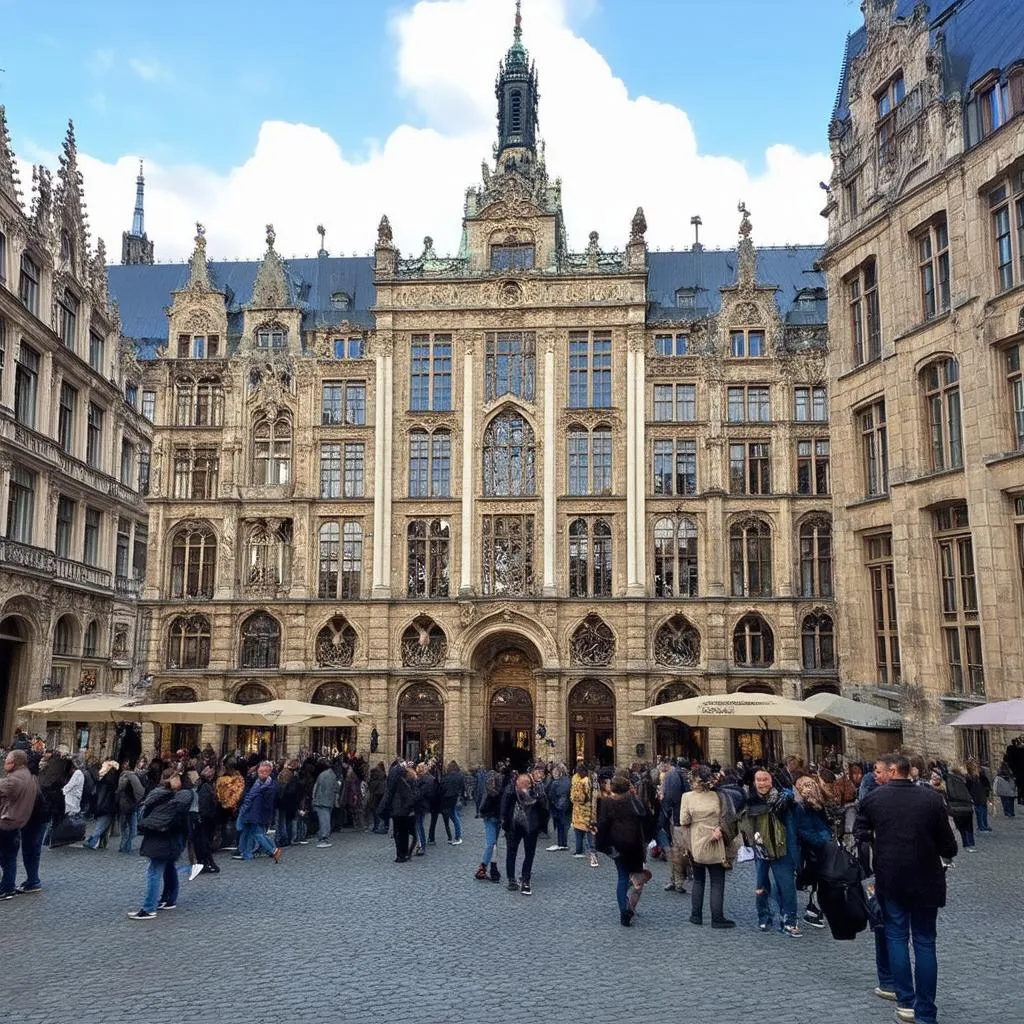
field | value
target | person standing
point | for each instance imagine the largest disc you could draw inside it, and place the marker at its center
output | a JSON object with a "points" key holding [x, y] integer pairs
{"points": [[1005, 787], [490, 811], [18, 791], [673, 786], [961, 806], [164, 824], [257, 815], [206, 800], [399, 804], [558, 800], [523, 812], [906, 828], [453, 782], [325, 799], [131, 791], [375, 785], [980, 787], [703, 832], [623, 830], [581, 792]]}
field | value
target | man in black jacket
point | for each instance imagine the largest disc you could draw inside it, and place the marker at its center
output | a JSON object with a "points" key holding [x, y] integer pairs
{"points": [[910, 832]]}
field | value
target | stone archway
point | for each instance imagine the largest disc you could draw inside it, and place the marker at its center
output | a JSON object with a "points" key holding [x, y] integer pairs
{"points": [[336, 739], [420, 721], [268, 741], [673, 738], [591, 709], [15, 640]]}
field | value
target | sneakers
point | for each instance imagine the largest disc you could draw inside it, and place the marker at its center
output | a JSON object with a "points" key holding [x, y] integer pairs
{"points": [[302, 842], [324, 845], [793, 931], [24, 889], [9, 895], [671, 887], [593, 860], [141, 915], [907, 1014], [885, 993], [525, 888], [456, 842], [237, 856], [164, 905], [765, 926], [513, 885], [814, 920], [579, 855], [553, 849]]}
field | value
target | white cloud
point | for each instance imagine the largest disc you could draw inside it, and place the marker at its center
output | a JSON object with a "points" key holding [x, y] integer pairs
{"points": [[99, 62], [148, 70], [613, 152]]}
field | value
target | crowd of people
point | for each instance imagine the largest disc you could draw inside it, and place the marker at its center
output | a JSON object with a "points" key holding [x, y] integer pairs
{"points": [[805, 827]]}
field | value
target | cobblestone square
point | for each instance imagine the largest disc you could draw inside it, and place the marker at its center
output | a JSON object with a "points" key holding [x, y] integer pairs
{"points": [[345, 934]]}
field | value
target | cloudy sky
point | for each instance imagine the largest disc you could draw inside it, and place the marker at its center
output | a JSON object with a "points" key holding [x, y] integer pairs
{"points": [[336, 111]]}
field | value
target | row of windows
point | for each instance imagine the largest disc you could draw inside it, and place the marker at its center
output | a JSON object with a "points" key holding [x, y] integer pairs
{"points": [[676, 642], [507, 562]]}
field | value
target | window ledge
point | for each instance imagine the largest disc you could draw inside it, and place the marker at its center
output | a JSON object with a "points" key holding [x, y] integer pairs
{"points": [[862, 367], [870, 500], [1016, 291], [972, 699], [932, 474], [995, 460], [923, 326]]}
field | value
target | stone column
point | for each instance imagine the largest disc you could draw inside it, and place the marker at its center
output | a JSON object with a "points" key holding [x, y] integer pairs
{"points": [[468, 447], [379, 411], [639, 463], [631, 512], [44, 398], [5, 488], [389, 424], [550, 589]]}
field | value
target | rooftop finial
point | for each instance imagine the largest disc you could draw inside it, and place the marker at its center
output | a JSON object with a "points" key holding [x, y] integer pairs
{"points": [[696, 222], [271, 236], [518, 32], [138, 218], [322, 232], [745, 225]]}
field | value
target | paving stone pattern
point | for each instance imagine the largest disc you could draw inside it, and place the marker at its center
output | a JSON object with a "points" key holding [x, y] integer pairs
{"points": [[346, 934]]}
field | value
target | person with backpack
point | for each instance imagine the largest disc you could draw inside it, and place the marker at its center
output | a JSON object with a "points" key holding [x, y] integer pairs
{"points": [[490, 811], [524, 811], [131, 791], [961, 806], [164, 824], [104, 804], [624, 827]]}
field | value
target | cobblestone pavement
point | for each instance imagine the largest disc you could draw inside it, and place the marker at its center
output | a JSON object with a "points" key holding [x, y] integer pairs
{"points": [[345, 933]]}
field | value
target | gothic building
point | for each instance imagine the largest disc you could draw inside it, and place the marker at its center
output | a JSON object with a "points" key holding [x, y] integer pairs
{"points": [[494, 500], [74, 450], [925, 264]]}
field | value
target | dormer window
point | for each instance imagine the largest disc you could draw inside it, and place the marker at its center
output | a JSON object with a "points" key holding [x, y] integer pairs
{"points": [[341, 300], [349, 348], [686, 298], [886, 103], [198, 346], [272, 339], [992, 104], [515, 256]]}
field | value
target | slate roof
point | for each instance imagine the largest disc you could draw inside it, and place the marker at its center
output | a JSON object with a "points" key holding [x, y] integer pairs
{"points": [[980, 35]]}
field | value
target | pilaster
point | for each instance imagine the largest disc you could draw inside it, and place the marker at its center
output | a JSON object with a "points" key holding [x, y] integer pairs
{"points": [[468, 447], [550, 588]]}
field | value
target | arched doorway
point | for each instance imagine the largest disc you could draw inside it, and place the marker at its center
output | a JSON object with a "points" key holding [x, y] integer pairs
{"points": [[592, 722], [763, 745], [267, 741], [181, 735], [511, 716], [15, 634], [673, 738], [824, 740], [420, 722], [336, 739]]}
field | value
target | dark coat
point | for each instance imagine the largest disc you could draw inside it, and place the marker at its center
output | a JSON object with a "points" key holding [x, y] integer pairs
{"points": [[104, 800], [910, 831], [400, 798], [979, 787], [207, 797], [673, 786], [168, 845], [534, 802], [428, 794], [624, 826], [558, 795], [452, 785], [259, 803]]}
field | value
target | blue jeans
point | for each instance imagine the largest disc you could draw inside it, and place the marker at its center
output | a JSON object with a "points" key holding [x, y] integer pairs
{"points": [[785, 889], [491, 827], [915, 988], [99, 830], [456, 813], [561, 823], [583, 836], [161, 884], [421, 834], [254, 835], [32, 851], [129, 829], [9, 842], [966, 837], [323, 817], [981, 810], [285, 829], [622, 888], [1007, 802]]}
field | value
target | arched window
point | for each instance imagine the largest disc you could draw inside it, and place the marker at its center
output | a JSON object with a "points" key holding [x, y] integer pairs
{"points": [[677, 642], [424, 644], [750, 558], [336, 644], [193, 561], [91, 640], [816, 558], [178, 695], [341, 559], [428, 544], [272, 452], [817, 641], [64, 634], [753, 642], [675, 557], [188, 642], [430, 461], [266, 549], [261, 642], [209, 407], [592, 642], [516, 112], [590, 558], [509, 456], [941, 381], [590, 461], [252, 693]]}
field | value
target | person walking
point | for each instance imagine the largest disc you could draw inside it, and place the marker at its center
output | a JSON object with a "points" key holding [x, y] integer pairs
{"points": [[980, 787], [559, 803], [904, 833], [18, 791], [1005, 787], [524, 810], [581, 792], [325, 799], [453, 782], [131, 791], [164, 824], [673, 785], [206, 820], [490, 810], [257, 815], [703, 831], [230, 789], [399, 804], [624, 828], [814, 833], [961, 806]]}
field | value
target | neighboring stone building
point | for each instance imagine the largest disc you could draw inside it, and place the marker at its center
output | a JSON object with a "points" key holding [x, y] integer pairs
{"points": [[493, 501], [73, 447], [925, 264]]}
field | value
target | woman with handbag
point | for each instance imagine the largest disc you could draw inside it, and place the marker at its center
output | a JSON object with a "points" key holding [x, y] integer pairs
{"points": [[703, 827], [624, 827]]}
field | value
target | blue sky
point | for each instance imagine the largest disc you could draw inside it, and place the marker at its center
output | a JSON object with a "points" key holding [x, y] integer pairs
{"points": [[193, 88]]}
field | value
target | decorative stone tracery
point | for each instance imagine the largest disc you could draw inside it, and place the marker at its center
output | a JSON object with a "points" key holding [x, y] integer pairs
{"points": [[592, 643]]}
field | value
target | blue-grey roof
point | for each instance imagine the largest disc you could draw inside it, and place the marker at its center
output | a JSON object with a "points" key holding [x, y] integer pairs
{"points": [[790, 268], [980, 35], [143, 293]]}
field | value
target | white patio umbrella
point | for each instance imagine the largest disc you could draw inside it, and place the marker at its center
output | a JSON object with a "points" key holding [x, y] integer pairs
{"points": [[998, 714], [300, 712], [854, 714], [205, 712], [732, 711], [99, 707]]}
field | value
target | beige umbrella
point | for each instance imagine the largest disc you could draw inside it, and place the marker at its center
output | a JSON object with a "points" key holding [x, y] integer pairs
{"points": [[300, 712], [732, 711], [854, 714], [92, 708], [204, 712]]}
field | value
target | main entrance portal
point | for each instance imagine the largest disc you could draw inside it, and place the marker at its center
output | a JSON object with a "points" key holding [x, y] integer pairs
{"points": [[13, 654], [508, 661], [592, 722]]}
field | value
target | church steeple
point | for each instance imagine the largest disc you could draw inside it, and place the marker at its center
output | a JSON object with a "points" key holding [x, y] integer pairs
{"points": [[517, 95], [136, 248]]}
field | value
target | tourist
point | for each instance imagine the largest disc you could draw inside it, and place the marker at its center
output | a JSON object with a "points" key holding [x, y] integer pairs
{"points": [[1005, 787], [961, 806], [104, 804], [33, 833], [399, 804], [427, 797], [18, 789], [375, 785], [74, 788], [673, 785], [326, 790], [703, 832], [453, 782], [581, 792], [229, 791], [206, 820], [490, 812], [164, 824], [909, 834], [813, 833], [131, 791], [624, 827], [559, 803], [289, 799], [524, 813], [980, 787], [257, 815]]}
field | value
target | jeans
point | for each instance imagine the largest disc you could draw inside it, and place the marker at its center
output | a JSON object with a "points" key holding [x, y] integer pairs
{"points": [[421, 832], [622, 888], [433, 825], [254, 835], [717, 875], [981, 810], [323, 817], [1007, 802], [403, 826], [491, 826], [785, 890], [512, 841], [456, 813], [380, 822], [32, 850], [915, 988], [583, 836], [160, 875], [99, 830], [561, 823], [285, 829], [129, 825], [9, 842], [966, 837]]}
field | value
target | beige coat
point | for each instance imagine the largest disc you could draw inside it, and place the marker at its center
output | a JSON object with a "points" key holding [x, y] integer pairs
{"points": [[700, 813]]}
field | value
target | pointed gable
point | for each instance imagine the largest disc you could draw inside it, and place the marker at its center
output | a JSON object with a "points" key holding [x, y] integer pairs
{"points": [[70, 221], [271, 288]]}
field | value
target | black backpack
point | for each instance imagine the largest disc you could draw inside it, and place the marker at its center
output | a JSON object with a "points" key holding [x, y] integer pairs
{"points": [[88, 790], [159, 815]]}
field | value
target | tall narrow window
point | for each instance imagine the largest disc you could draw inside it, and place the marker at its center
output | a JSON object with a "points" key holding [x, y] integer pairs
{"points": [[1006, 203], [865, 323], [1015, 382], [959, 599], [430, 457], [330, 471], [675, 467], [675, 557], [26, 385], [341, 560], [810, 405], [750, 558], [507, 555], [355, 454], [209, 403], [149, 405], [590, 558], [67, 319], [144, 469], [874, 449], [428, 546], [882, 578], [590, 370], [812, 467], [28, 284], [590, 461], [196, 472], [817, 641], [886, 103], [509, 456], [91, 536], [261, 642], [139, 550], [753, 642], [97, 347], [193, 562], [510, 365], [94, 436], [21, 497], [750, 467], [188, 642], [675, 403], [272, 452], [942, 395], [750, 404], [122, 553], [933, 268], [816, 558], [127, 463], [430, 373], [65, 527], [67, 412]]}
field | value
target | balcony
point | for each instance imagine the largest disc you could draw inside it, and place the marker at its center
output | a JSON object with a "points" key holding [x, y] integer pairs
{"points": [[127, 588], [46, 563]]}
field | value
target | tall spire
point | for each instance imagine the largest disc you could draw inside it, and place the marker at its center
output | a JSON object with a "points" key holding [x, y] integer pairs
{"points": [[138, 218], [518, 31], [9, 181], [517, 95]]}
